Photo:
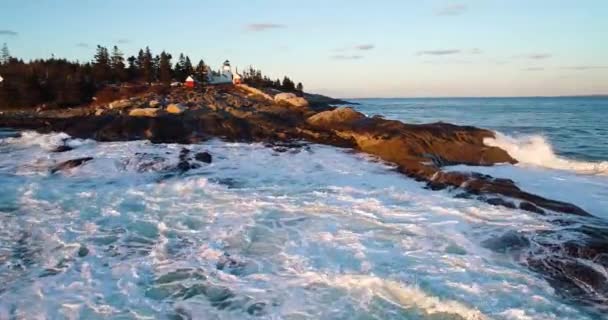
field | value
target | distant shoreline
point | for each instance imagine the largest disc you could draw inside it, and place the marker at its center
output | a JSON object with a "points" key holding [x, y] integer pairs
{"points": [[482, 97]]}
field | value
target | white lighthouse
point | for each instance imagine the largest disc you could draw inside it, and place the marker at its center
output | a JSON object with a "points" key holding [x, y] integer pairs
{"points": [[223, 76]]}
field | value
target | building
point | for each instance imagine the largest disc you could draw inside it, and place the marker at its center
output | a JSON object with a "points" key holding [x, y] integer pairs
{"points": [[224, 75], [189, 83], [1, 79], [237, 78]]}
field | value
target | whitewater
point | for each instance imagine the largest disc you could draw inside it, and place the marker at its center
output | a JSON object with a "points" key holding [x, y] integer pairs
{"points": [[265, 232]]}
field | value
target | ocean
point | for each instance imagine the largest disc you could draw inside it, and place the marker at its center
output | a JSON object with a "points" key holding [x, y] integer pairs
{"points": [[313, 232]]}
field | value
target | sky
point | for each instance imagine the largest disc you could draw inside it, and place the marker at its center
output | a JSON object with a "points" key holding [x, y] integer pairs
{"points": [[350, 49]]}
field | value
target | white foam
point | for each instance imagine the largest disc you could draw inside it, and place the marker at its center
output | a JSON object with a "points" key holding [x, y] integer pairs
{"points": [[534, 150], [322, 234]]}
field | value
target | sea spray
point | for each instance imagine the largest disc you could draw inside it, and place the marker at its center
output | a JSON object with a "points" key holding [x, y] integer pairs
{"points": [[535, 150]]}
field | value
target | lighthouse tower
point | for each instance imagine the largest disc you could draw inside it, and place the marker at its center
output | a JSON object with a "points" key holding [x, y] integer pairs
{"points": [[226, 69]]}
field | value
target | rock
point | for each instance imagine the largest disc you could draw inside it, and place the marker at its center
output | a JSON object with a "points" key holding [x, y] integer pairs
{"points": [[203, 157], [527, 206], [144, 112], [70, 164], [176, 108], [334, 117], [83, 251], [63, 148], [153, 103], [284, 96], [509, 241], [99, 112], [291, 99], [501, 202], [120, 104]]}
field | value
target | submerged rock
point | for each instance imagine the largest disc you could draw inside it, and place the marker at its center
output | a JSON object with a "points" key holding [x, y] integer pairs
{"points": [[63, 148], [69, 164], [203, 157]]}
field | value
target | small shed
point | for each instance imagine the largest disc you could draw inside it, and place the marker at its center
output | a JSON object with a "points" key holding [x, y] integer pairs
{"points": [[189, 82]]}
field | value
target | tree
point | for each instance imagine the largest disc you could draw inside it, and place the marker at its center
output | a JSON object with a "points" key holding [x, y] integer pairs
{"points": [[200, 73], [180, 68], [300, 87], [132, 70], [5, 55], [117, 63], [288, 85], [165, 71], [188, 69], [101, 65], [147, 68]]}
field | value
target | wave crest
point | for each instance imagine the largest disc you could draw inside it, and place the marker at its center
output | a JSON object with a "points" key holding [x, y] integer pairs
{"points": [[535, 150]]}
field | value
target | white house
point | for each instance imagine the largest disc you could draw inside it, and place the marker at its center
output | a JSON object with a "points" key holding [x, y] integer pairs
{"points": [[224, 75]]}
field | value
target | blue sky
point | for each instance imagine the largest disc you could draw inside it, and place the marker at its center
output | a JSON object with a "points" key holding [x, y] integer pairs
{"points": [[344, 48]]}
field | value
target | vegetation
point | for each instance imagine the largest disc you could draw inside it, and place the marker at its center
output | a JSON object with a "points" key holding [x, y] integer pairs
{"points": [[61, 83]]}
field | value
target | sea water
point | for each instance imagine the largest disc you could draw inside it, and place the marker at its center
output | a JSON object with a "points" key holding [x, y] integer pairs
{"points": [[314, 232]]}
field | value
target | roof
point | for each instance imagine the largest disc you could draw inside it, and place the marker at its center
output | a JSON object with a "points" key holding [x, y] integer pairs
{"points": [[189, 79]]}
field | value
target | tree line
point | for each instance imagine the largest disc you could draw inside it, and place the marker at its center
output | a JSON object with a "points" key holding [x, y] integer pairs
{"points": [[62, 83]]}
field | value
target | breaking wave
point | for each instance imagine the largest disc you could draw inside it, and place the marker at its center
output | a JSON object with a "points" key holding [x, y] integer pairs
{"points": [[535, 150]]}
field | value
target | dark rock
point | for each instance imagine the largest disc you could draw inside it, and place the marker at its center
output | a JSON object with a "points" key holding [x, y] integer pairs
{"points": [[527, 206], [83, 251], [63, 148], [70, 164], [507, 242], [203, 157], [501, 202]]}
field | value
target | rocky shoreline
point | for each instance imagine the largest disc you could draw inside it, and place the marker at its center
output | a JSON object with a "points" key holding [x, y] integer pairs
{"points": [[242, 113]]}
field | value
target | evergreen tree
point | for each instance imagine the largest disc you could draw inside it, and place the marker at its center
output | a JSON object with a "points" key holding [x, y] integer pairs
{"points": [[300, 87], [5, 55], [200, 73], [180, 68], [117, 62], [132, 71], [165, 68], [188, 69], [147, 68], [101, 65], [288, 85]]}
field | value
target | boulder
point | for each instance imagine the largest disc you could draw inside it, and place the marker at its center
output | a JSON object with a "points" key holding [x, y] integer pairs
{"points": [[176, 108], [336, 116], [99, 112], [144, 112], [291, 99], [153, 103], [120, 104]]}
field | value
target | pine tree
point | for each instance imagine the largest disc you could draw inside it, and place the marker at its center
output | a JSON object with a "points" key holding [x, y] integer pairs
{"points": [[165, 68], [117, 62], [288, 85], [148, 66], [132, 71], [188, 69], [101, 65], [200, 73], [300, 87], [180, 68], [5, 55]]}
